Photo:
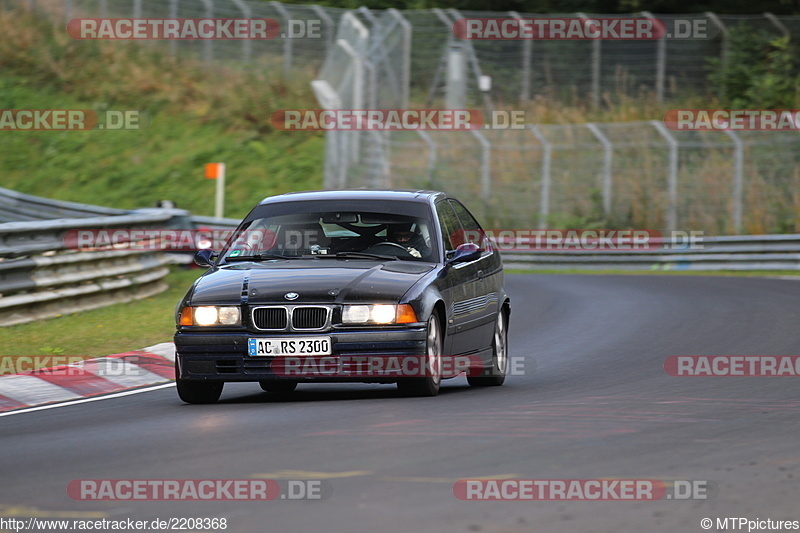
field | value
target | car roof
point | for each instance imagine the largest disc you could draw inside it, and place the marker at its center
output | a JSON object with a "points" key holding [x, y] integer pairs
{"points": [[405, 195]]}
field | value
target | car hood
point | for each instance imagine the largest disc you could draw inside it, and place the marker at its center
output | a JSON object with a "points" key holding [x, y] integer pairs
{"points": [[331, 281]]}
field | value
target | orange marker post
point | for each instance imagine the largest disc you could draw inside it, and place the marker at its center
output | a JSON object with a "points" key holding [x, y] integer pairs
{"points": [[216, 171]]}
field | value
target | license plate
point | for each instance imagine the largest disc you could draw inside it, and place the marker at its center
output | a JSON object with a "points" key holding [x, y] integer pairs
{"points": [[262, 347]]}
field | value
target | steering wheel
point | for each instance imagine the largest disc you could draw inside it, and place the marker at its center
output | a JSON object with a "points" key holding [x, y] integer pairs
{"points": [[371, 249]]}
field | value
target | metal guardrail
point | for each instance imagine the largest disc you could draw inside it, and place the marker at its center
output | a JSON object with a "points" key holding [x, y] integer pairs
{"points": [[41, 277], [738, 253], [17, 206]]}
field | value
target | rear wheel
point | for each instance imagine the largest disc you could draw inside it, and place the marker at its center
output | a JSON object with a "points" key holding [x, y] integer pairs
{"points": [[199, 391], [278, 386], [428, 385], [496, 373]]}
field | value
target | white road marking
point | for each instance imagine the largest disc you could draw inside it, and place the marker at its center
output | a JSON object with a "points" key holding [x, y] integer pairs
{"points": [[86, 400]]}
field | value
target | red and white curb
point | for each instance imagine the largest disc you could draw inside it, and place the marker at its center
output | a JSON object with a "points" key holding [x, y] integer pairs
{"points": [[91, 377]]}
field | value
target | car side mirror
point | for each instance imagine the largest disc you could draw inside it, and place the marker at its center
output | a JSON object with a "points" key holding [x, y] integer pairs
{"points": [[205, 257], [469, 251]]}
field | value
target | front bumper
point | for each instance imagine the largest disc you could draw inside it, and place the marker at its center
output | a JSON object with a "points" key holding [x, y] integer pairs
{"points": [[223, 356]]}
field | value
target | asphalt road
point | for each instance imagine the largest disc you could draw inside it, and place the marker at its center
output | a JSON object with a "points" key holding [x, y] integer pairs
{"points": [[594, 403]]}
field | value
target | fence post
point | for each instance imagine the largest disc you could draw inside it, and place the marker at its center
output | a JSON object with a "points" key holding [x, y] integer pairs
{"points": [[173, 14], [486, 154], [103, 9], [208, 44], [778, 24], [661, 59], [738, 176], [328, 22], [405, 78], [608, 154], [473, 59], [525, 90], [246, 43], [544, 189], [137, 9], [358, 89], [723, 31], [596, 43], [432, 156], [672, 174], [287, 41]]}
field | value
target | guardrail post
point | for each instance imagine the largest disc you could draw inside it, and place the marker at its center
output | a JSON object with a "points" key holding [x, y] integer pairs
{"points": [[137, 9], [608, 154], [738, 179], [544, 189], [672, 174]]}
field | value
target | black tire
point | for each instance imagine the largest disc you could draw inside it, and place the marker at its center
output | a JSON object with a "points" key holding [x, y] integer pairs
{"points": [[428, 385], [199, 391], [495, 375], [278, 386]]}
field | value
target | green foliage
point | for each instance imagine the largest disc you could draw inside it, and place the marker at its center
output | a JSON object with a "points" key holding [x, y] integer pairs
{"points": [[194, 115], [761, 71]]}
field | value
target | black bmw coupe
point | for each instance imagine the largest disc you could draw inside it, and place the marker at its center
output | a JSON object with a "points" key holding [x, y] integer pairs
{"points": [[377, 286]]}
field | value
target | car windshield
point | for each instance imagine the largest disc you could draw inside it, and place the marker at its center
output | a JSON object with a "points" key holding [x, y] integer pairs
{"points": [[336, 234]]}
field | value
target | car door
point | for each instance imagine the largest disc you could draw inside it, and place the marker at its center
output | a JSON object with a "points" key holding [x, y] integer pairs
{"points": [[455, 285], [485, 277]]}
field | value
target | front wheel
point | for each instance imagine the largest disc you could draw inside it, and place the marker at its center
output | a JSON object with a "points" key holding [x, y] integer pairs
{"points": [[199, 391], [496, 373], [428, 385]]}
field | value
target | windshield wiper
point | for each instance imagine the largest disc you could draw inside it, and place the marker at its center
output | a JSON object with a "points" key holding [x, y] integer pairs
{"points": [[354, 255], [257, 257]]}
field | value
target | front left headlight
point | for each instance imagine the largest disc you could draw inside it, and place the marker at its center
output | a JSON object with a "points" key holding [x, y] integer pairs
{"points": [[378, 314], [210, 316]]}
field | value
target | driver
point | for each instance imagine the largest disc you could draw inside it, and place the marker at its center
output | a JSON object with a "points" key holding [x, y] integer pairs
{"points": [[409, 239]]}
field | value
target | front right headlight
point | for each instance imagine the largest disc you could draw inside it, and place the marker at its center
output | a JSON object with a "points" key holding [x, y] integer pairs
{"points": [[208, 315], [378, 314]]}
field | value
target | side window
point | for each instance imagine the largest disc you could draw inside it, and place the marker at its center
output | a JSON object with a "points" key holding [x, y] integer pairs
{"points": [[451, 229], [472, 230]]}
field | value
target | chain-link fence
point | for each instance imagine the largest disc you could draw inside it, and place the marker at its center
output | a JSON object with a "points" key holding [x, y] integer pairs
{"points": [[615, 174], [547, 175]]}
